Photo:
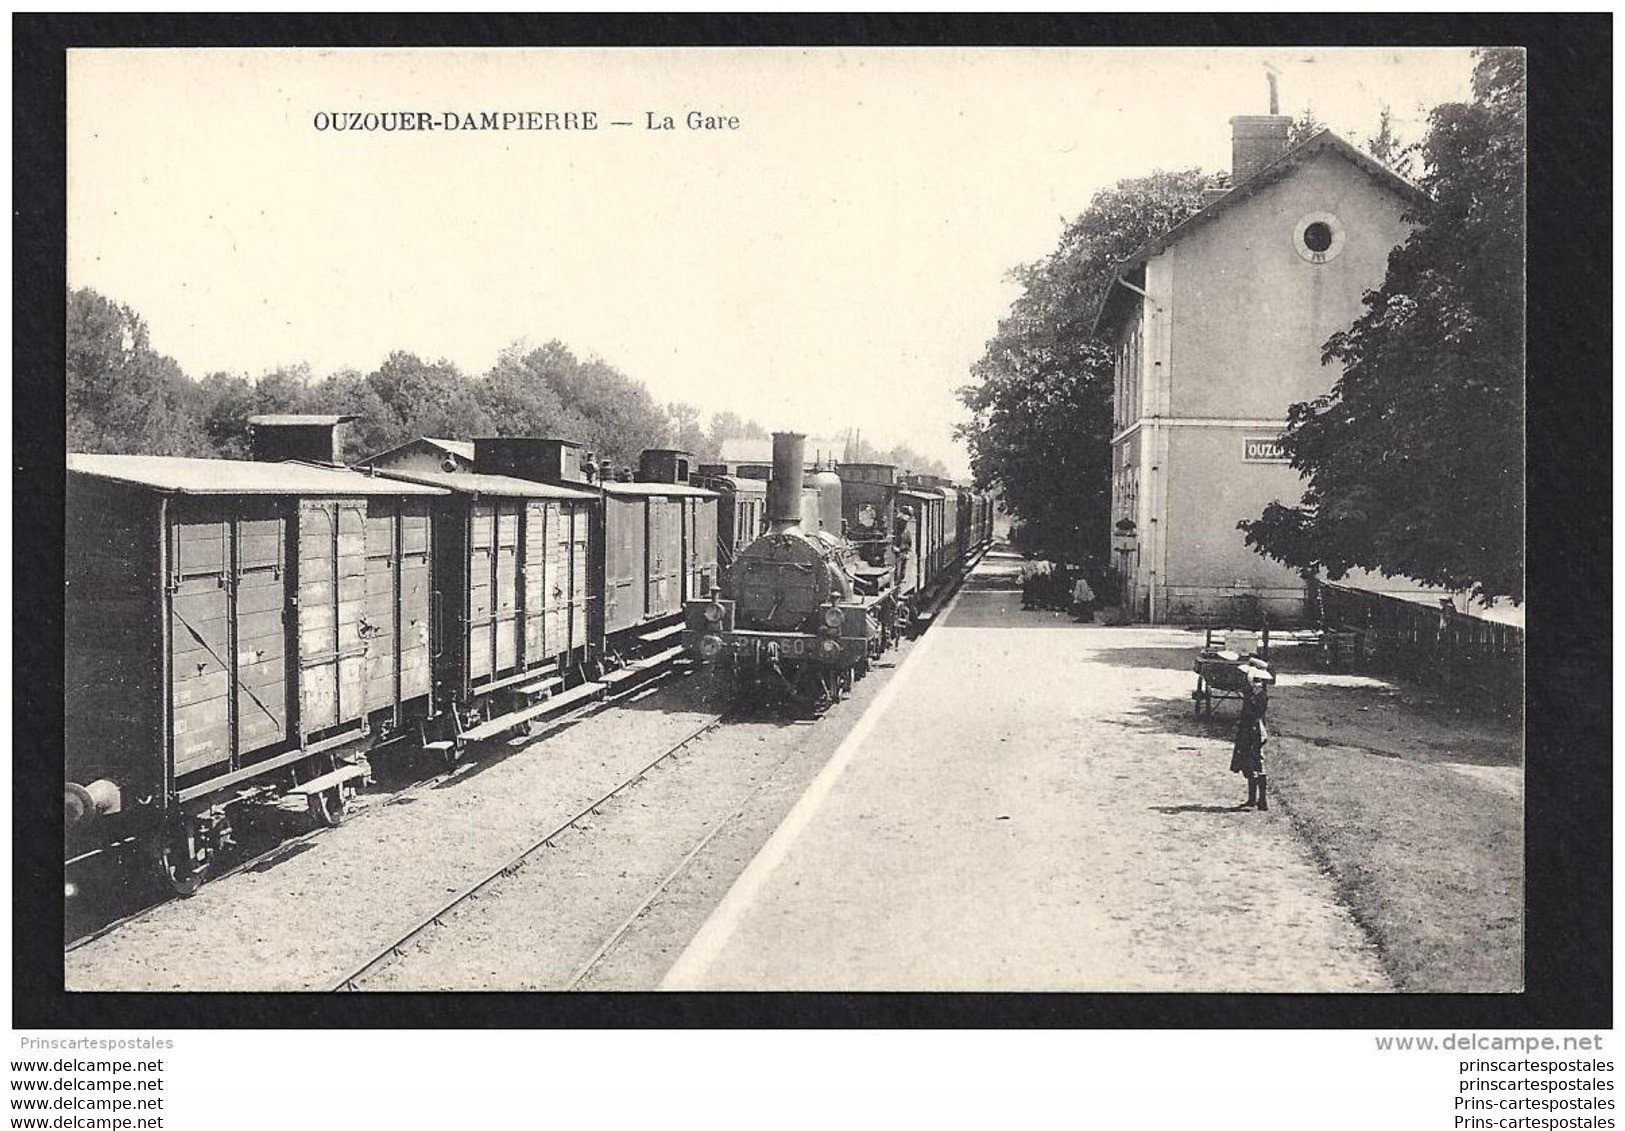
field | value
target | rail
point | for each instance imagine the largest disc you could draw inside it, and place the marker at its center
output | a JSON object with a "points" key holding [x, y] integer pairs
{"points": [[383, 956], [653, 673]]}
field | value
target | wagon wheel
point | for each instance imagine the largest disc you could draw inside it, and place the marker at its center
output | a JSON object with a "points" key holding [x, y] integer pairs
{"points": [[329, 807], [180, 862]]}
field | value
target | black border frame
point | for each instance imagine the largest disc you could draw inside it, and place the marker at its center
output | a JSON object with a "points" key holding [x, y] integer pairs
{"points": [[1569, 778]]}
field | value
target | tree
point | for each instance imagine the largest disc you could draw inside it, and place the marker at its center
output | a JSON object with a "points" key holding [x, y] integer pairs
{"points": [[1386, 147], [1414, 460], [420, 399], [1304, 127], [686, 432], [727, 426], [122, 395], [228, 401], [901, 456], [1041, 399], [517, 397]]}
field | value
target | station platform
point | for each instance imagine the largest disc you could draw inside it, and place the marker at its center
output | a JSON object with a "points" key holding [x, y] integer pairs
{"points": [[1031, 804]]}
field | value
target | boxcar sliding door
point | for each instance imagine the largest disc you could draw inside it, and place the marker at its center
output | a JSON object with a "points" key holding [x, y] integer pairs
{"points": [[546, 601], [228, 598], [260, 596], [665, 555], [200, 639], [395, 624], [576, 526], [493, 590], [332, 609], [700, 546]]}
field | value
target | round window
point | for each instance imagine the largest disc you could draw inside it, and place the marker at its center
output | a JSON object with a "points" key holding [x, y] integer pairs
{"points": [[1318, 237]]}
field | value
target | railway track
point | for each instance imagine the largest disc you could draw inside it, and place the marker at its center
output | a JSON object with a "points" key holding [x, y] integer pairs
{"points": [[387, 956], [666, 881], [290, 845], [355, 978]]}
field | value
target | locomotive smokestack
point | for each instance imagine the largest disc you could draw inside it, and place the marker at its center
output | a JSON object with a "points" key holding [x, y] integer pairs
{"points": [[784, 491]]}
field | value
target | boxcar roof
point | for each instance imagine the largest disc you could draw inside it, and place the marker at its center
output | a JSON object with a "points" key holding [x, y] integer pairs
{"points": [[923, 495], [186, 476], [634, 489], [473, 483], [738, 484], [296, 418]]}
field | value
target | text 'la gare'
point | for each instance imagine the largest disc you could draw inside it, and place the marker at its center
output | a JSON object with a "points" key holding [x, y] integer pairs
{"points": [[694, 120]]}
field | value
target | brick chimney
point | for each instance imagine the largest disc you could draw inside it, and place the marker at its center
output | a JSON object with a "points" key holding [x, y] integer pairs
{"points": [[1255, 141]]}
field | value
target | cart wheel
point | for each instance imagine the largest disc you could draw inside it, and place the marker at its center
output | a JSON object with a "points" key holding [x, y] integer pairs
{"points": [[329, 807]]}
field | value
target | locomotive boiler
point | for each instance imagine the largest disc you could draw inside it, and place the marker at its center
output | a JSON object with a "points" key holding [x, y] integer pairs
{"points": [[797, 614]]}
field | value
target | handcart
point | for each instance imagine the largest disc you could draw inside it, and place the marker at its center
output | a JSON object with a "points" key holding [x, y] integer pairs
{"points": [[1223, 674], [1218, 676]]}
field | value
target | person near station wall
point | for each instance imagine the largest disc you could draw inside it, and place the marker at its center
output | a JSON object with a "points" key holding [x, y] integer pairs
{"points": [[1252, 734], [1083, 599]]}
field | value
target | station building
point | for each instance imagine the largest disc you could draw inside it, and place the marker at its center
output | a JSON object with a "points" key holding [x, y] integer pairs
{"points": [[1218, 326]]}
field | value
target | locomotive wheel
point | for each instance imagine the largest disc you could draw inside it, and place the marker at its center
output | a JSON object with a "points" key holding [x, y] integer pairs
{"points": [[329, 807], [177, 864]]}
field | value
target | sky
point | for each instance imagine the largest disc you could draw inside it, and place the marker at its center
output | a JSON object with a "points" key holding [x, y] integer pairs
{"points": [[837, 261]]}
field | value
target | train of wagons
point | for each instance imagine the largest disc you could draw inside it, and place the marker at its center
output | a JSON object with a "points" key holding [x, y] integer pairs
{"points": [[242, 633]]}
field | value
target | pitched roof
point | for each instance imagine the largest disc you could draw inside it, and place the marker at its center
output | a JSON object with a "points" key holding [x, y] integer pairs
{"points": [[186, 476], [462, 449], [663, 489], [1318, 142], [501, 486]]}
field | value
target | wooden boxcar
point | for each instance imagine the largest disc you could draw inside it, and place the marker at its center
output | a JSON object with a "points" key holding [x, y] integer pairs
{"points": [[512, 585], [233, 629], [653, 543], [660, 548], [741, 512]]}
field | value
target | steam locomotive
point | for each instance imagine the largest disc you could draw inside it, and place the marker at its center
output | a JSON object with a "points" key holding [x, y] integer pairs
{"points": [[843, 570]]}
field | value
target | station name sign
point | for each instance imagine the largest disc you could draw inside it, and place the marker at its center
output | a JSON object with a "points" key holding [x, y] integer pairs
{"points": [[1262, 449]]}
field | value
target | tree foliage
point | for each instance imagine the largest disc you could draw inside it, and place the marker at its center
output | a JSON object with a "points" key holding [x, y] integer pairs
{"points": [[1041, 396], [122, 395], [901, 456], [1414, 460], [1386, 146]]}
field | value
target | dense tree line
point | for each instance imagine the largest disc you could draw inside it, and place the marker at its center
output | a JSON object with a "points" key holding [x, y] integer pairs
{"points": [[1041, 398], [1414, 460], [124, 396]]}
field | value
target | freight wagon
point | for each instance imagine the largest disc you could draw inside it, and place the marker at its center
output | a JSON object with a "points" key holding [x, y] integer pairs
{"points": [[512, 588], [234, 629]]}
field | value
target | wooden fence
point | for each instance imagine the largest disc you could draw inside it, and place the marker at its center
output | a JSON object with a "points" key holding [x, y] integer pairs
{"points": [[1477, 662]]}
